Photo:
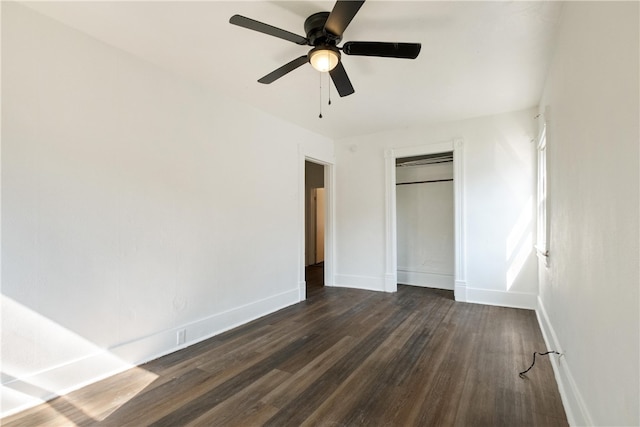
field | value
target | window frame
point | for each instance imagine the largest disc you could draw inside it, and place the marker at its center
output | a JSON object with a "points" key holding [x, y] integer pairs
{"points": [[542, 241]]}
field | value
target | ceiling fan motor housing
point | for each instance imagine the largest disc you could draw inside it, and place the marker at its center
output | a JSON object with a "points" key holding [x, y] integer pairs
{"points": [[314, 28]]}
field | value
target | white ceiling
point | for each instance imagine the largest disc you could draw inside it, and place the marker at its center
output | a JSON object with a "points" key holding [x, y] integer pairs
{"points": [[477, 58]]}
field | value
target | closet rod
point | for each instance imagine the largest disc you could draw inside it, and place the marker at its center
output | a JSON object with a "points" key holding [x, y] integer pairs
{"points": [[424, 182]]}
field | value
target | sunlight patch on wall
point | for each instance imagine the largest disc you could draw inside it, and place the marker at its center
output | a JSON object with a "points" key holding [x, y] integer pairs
{"points": [[521, 227], [58, 360], [519, 243]]}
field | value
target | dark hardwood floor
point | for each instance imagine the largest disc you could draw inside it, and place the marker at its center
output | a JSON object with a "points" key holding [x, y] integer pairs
{"points": [[344, 357], [314, 276]]}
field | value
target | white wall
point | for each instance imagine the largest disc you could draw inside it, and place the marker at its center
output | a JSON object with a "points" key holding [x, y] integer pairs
{"points": [[499, 181], [124, 216], [589, 298], [425, 226]]}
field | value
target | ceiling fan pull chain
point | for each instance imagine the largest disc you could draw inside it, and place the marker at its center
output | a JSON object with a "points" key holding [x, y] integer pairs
{"points": [[329, 88], [320, 116]]}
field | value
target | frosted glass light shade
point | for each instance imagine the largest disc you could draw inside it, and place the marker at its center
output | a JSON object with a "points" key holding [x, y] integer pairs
{"points": [[324, 59]]}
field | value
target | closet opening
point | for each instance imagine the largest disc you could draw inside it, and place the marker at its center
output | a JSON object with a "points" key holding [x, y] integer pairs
{"points": [[425, 221]]}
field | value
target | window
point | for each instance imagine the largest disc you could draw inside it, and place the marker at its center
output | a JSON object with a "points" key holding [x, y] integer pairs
{"points": [[542, 245]]}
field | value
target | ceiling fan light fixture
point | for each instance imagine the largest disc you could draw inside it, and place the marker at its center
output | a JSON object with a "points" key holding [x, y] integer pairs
{"points": [[324, 58]]}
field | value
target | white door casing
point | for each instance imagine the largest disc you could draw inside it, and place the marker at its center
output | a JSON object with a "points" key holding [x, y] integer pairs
{"points": [[391, 250]]}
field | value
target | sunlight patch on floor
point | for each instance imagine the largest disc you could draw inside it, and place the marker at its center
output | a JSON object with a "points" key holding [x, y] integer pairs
{"points": [[126, 386]]}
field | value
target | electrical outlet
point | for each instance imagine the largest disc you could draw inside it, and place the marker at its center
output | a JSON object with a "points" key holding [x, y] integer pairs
{"points": [[182, 336]]}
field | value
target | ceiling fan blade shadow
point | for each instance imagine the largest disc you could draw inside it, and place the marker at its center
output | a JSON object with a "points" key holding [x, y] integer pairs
{"points": [[341, 15], [383, 49], [285, 69], [341, 80], [261, 27]]}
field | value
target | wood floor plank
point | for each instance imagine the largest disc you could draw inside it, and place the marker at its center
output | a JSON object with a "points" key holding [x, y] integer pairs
{"points": [[243, 405], [206, 401], [160, 401], [117, 391], [401, 405], [344, 357], [297, 410], [362, 391], [301, 380]]}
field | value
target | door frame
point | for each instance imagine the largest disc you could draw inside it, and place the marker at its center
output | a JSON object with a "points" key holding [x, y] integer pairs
{"points": [[329, 230], [316, 192], [391, 245]]}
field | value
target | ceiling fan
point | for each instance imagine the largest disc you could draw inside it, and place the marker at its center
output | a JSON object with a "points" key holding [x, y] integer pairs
{"points": [[324, 32]]}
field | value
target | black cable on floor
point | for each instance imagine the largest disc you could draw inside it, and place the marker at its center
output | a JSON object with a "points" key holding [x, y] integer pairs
{"points": [[521, 374]]}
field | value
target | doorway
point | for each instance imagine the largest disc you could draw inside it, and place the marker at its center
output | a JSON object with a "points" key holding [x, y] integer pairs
{"points": [[315, 217], [425, 221], [391, 261]]}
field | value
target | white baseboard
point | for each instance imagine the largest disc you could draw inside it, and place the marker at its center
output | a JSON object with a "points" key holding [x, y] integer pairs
{"points": [[302, 290], [501, 298], [425, 279], [19, 394], [360, 282], [574, 406], [460, 291], [390, 283]]}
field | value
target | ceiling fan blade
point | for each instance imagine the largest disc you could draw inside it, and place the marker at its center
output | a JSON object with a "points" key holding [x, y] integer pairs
{"points": [[261, 27], [341, 15], [286, 68], [388, 50], [341, 80]]}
